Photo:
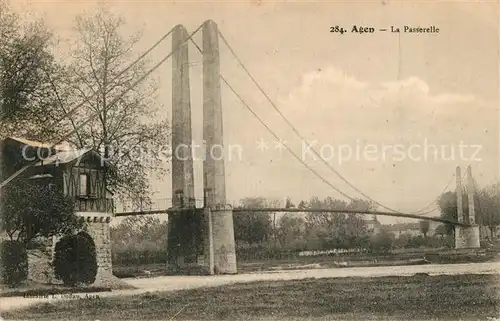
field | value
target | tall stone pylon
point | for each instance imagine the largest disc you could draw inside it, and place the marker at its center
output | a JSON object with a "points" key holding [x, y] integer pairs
{"points": [[182, 159], [466, 236], [470, 193], [220, 248], [179, 241], [460, 208]]}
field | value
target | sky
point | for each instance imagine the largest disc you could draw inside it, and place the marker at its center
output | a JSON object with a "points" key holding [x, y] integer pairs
{"points": [[401, 96]]}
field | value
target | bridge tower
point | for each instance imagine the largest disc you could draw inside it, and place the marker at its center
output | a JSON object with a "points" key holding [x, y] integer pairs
{"points": [[200, 237], [466, 236], [183, 247], [182, 163], [220, 247]]}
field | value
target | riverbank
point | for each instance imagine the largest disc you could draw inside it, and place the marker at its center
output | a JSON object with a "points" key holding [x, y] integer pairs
{"points": [[417, 297], [433, 256]]}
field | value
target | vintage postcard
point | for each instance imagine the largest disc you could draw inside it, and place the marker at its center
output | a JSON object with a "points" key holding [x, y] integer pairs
{"points": [[249, 160]]}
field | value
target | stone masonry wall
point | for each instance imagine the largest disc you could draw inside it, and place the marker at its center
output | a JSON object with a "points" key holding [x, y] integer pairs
{"points": [[467, 237], [224, 249], [98, 229], [223, 241], [39, 263]]}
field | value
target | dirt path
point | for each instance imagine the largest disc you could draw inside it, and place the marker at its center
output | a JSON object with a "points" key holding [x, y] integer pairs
{"points": [[174, 283]]}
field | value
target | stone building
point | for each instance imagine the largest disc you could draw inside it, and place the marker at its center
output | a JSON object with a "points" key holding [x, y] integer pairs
{"points": [[75, 173], [372, 224]]}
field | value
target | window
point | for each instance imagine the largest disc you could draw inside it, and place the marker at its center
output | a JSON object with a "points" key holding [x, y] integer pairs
{"points": [[84, 185]]}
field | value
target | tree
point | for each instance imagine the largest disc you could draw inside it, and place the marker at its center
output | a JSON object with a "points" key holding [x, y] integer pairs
{"points": [[447, 203], [129, 130], [424, 227], [291, 230], [382, 242], [416, 241], [29, 102], [139, 236], [337, 230], [32, 210], [302, 205], [441, 230], [402, 240], [252, 227], [488, 207], [14, 262], [139, 229], [288, 203]]}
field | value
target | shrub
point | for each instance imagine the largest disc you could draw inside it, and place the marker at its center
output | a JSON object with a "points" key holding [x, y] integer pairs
{"points": [[14, 259], [402, 240], [381, 242], [75, 260], [416, 241]]}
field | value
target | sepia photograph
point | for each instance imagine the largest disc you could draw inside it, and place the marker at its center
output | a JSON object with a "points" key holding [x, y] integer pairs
{"points": [[249, 160]]}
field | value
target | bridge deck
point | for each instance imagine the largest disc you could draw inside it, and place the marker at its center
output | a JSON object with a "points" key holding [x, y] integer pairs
{"points": [[298, 210]]}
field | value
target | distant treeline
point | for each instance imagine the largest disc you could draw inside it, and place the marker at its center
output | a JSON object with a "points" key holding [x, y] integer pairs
{"points": [[260, 236]]}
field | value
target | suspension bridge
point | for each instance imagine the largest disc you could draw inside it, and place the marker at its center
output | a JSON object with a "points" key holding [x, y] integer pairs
{"points": [[299, 210], [210, 237], [212, 242]]}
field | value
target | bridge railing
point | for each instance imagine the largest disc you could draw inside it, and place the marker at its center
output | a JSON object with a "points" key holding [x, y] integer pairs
{"points": [[141, 205]]}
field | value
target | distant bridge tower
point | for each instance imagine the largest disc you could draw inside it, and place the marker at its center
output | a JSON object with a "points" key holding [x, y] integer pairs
{"points": [[466, 237]]}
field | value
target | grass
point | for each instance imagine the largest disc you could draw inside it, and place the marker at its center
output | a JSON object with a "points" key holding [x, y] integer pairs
{"points": [[465, 297], [47, 290]]}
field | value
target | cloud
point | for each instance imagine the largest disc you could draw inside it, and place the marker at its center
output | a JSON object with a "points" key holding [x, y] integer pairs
{"points": [[452, 98], [331, 103], [417, 89], [331, 107], [411, 84], [329, 76]]}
